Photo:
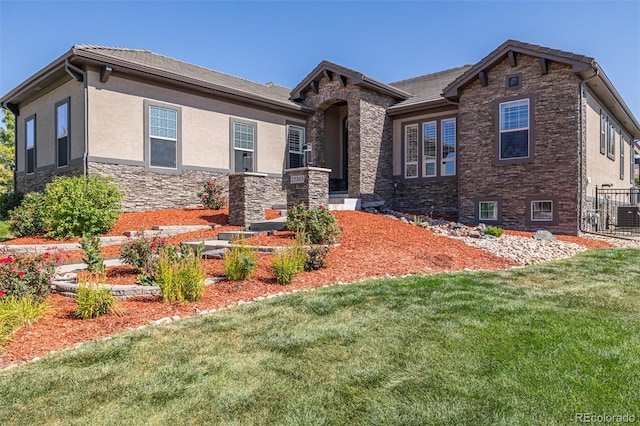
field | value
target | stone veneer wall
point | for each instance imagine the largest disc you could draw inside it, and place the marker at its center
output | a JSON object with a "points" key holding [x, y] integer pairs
{"points": [[37, 181], [313, 191], [150, 191], [248, 198], [370, 136], [439, 198], [555, 171]]}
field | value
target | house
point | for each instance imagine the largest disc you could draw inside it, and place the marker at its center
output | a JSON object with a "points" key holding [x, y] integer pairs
{"points": [[520, 139]]}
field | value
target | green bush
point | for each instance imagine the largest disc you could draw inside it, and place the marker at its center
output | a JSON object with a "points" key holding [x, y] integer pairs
{"points": [[316, 258], [93, 301], [318, 224], [9, 201], [142, 253], [496, 231], [76, 205], [28, 218], [93, 257], [288, 263], [240, 262], [180, 275], [212, 194], [15, 313], [27, 276]]}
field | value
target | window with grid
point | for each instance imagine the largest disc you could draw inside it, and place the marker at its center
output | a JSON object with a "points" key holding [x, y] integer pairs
{"points": [[488, 210], [30, 142], [448, 148], [62, 133], [411, 151], [514, 129], [163, 137], [542, 210], [295, 141], [243, 146], [429, 139]]}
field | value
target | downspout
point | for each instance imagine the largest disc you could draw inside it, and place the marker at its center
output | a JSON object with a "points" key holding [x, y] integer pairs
{"points": [[77, 73], [582, 150]]}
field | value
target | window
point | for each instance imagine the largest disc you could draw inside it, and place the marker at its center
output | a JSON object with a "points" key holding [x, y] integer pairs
{"points": [[603, 133], [488, 210], [295, 142], [163, 137], [514, 129], [631, 164], [244, 140], [411, 151], [514, 81], [622, 165], [542, 210], [429, 149], [30, 143], [62, 133], [611, 142], [448, 148]]}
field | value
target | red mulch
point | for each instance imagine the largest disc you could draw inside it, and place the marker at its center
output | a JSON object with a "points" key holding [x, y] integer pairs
{"points": [[370, 246]]}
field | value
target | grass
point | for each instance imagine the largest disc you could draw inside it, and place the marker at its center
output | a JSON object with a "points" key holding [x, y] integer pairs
{"points": [[5, 233], [528, 346]]}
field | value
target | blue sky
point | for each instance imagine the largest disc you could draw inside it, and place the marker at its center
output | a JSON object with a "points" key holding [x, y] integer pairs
{"points": [[283, 41]]}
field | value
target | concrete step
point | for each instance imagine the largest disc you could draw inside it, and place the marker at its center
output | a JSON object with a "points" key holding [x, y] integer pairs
{"points": [[344, 203], [236, 235], [276, 224]]}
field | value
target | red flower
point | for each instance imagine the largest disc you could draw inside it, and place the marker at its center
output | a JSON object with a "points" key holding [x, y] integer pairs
{"points": [[210, 186], [2, 293], [320, 206], [153, 245], [21, 273], [6, 260]]}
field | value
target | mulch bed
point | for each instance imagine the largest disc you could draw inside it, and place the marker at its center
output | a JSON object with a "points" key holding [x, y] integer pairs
{"points": [[370, 246]]}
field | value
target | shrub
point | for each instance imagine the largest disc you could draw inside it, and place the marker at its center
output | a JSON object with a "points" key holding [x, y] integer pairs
{"points": [[318, 224], [77, 205], [15, 313], [496, 231], [28, 276], [93, 300], [212, 194], [28, 218], [288, 263], [316, 258], [240, 262], [180, 274], [93, 257], [142, 253], [9, 201]]}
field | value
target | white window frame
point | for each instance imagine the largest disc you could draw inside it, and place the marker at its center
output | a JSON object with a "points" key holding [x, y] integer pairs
{"points": [[603, 133], [413, 163], [495, 211], [425, 159], [444, 160], [235, 148], [611, 142], [301, 143], [502, 132], [622, 164], [173, 139], [534, 211]]}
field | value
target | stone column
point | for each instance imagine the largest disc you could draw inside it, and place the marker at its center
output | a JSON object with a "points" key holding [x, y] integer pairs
{"points": [[247, 198], [308, 186]]}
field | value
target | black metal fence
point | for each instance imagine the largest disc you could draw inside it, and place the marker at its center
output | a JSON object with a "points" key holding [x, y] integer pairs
{"points": [[615, 212]]}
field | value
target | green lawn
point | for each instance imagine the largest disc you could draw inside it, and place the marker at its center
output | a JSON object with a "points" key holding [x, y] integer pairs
{"points": [[527, 346]]}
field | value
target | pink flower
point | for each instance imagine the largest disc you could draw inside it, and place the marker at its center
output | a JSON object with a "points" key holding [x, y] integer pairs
{"points": [[163, 242], [210, 186], [13, 269], [320, 206], [2, 293], [21, 274], [6, 260], [153, 245]]}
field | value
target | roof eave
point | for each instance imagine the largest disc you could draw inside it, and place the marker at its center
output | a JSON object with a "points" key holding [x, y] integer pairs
{"points": [[423, 106]]}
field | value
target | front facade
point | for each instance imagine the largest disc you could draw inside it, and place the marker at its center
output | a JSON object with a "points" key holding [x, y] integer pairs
{"points": [[520, 139]]}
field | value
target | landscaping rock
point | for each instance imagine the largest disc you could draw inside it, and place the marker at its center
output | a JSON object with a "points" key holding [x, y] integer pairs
{"points": [[543, 235]]}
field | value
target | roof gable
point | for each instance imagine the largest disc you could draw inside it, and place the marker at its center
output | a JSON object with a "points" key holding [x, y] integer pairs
{"points": [[330, 71], [579, 63]]}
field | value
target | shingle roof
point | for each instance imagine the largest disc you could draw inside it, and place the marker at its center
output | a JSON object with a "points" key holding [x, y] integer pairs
{"points": [[428, 87], [148, 59]]}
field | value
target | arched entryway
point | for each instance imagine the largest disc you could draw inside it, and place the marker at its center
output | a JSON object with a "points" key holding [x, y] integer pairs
{"points": [[336, 145]]}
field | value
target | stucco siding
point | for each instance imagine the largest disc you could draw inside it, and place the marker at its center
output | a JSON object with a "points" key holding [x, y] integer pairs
{"points": [[116, 116]]}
